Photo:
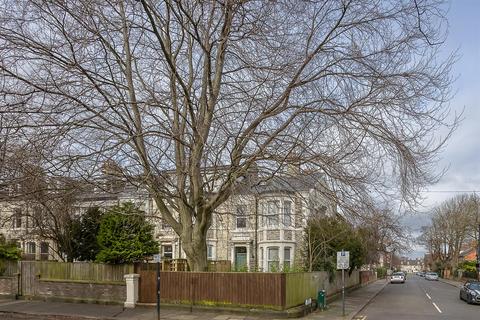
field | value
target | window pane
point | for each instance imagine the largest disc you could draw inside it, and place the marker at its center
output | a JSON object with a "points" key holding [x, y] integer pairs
{"points": [[17, 223], [272, 254], [44, 248], [241, 216], [260, 259], [209, 251], [287, 213], [167, 252], [31, 247], [272, 214], [286, 254]]}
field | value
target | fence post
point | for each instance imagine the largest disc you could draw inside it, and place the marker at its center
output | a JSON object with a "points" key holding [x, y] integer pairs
{"points": [[132, 290]]}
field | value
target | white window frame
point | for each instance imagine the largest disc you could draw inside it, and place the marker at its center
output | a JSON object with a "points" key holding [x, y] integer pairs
{"points": [[287, 263], [260, 260], [287, 214], [272, 260], [168, 252], [271, 214], [17, 217], [210, 252], [241, 215], [31, 245]]}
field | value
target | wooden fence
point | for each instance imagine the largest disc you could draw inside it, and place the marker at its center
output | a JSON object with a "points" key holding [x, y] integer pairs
{"points": [[262, 290], [8, 268], [278, 291], [82, 271], [182, 265]]}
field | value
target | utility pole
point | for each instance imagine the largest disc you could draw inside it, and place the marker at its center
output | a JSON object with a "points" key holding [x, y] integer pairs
{"points": [[256, 232], [478, 251], [478, 235]]}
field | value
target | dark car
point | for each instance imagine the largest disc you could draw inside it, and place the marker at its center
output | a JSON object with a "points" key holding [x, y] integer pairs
{"points": [[470, 292]]}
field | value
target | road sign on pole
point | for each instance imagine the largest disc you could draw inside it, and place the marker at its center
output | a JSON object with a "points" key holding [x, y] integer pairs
{"points": [[343, 262]]}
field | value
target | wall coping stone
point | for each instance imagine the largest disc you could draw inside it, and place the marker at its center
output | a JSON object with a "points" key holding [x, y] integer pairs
{"points": [[116, 283]]}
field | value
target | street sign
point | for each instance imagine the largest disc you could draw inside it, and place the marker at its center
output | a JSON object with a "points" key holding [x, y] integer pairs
{"points": [[157, 258], [343, 260], [343, 263]]}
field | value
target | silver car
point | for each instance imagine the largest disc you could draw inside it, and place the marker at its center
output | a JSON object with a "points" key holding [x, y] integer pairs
{"points": [[397, 277], [431, 276]]}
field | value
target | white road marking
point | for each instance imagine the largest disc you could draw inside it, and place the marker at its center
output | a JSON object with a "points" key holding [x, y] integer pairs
{"points": [[428, 296], [438, 309]]}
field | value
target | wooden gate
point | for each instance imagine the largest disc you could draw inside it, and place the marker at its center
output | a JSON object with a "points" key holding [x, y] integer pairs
{"points": [[147, 285], [28, 273]]}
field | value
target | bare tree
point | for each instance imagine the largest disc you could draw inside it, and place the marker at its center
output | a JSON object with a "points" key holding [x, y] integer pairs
{"points": [[46, 203], [384, 233], [187, 96], [452, 226]]}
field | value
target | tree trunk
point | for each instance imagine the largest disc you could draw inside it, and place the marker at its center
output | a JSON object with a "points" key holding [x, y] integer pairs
{"points": [[196, 252]]}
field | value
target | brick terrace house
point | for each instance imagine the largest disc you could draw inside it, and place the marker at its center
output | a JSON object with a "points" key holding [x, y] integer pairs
{"points": [[469, 254], [258, 227]]}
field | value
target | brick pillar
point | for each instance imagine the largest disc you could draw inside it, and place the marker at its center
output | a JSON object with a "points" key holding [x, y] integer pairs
{"points": [[132, 289]]}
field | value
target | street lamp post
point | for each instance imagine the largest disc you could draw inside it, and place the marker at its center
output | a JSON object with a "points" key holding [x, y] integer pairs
{"points": [[478, 251]]}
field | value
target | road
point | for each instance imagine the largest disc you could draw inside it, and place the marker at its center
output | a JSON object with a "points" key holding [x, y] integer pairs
{"points": [[419, 299]]}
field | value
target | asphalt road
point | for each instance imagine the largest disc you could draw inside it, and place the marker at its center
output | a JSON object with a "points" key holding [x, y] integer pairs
{"points": [[419, 299]]}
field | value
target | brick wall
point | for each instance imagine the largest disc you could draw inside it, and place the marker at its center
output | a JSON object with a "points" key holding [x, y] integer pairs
{"points": [[81, 291], [58, 282], [367, 276], [8, 286]]}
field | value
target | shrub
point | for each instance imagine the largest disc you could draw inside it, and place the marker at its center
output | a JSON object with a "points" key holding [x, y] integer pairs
{"points": [[125, 236]]}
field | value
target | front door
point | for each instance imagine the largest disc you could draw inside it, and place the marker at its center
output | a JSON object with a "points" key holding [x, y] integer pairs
{"points": [[240, 258]]}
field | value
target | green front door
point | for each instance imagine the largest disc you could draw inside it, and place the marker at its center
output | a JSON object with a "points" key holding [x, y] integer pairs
{"points": [[240, 258]]}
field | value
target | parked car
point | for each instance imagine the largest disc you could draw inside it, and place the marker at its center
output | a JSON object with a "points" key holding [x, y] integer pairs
{"points": [[470, 292], [431, 276], [397, 277], [421, 274]]}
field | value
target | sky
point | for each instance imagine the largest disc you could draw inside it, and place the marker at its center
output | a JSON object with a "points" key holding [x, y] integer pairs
{"points": [[461, 155]]}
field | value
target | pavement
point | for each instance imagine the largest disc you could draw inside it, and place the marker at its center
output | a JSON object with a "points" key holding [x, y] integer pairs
{"points": [[23, 309], [355, 302], [454, 283], [419, 299]]}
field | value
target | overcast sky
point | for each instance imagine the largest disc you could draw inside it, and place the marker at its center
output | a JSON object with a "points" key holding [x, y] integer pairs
{"points": [[462, 153]]}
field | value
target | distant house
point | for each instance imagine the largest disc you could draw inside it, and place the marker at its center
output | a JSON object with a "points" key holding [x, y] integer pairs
{"points": [[468, 254], [411, 265]]}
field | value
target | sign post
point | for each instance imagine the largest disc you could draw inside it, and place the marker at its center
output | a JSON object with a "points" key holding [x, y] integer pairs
{"points": [[478, 251], [343, 262], [157, 258]]}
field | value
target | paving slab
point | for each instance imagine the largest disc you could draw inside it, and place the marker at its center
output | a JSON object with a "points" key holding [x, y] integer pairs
{"points": [[454, 283], [355, 301]]}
